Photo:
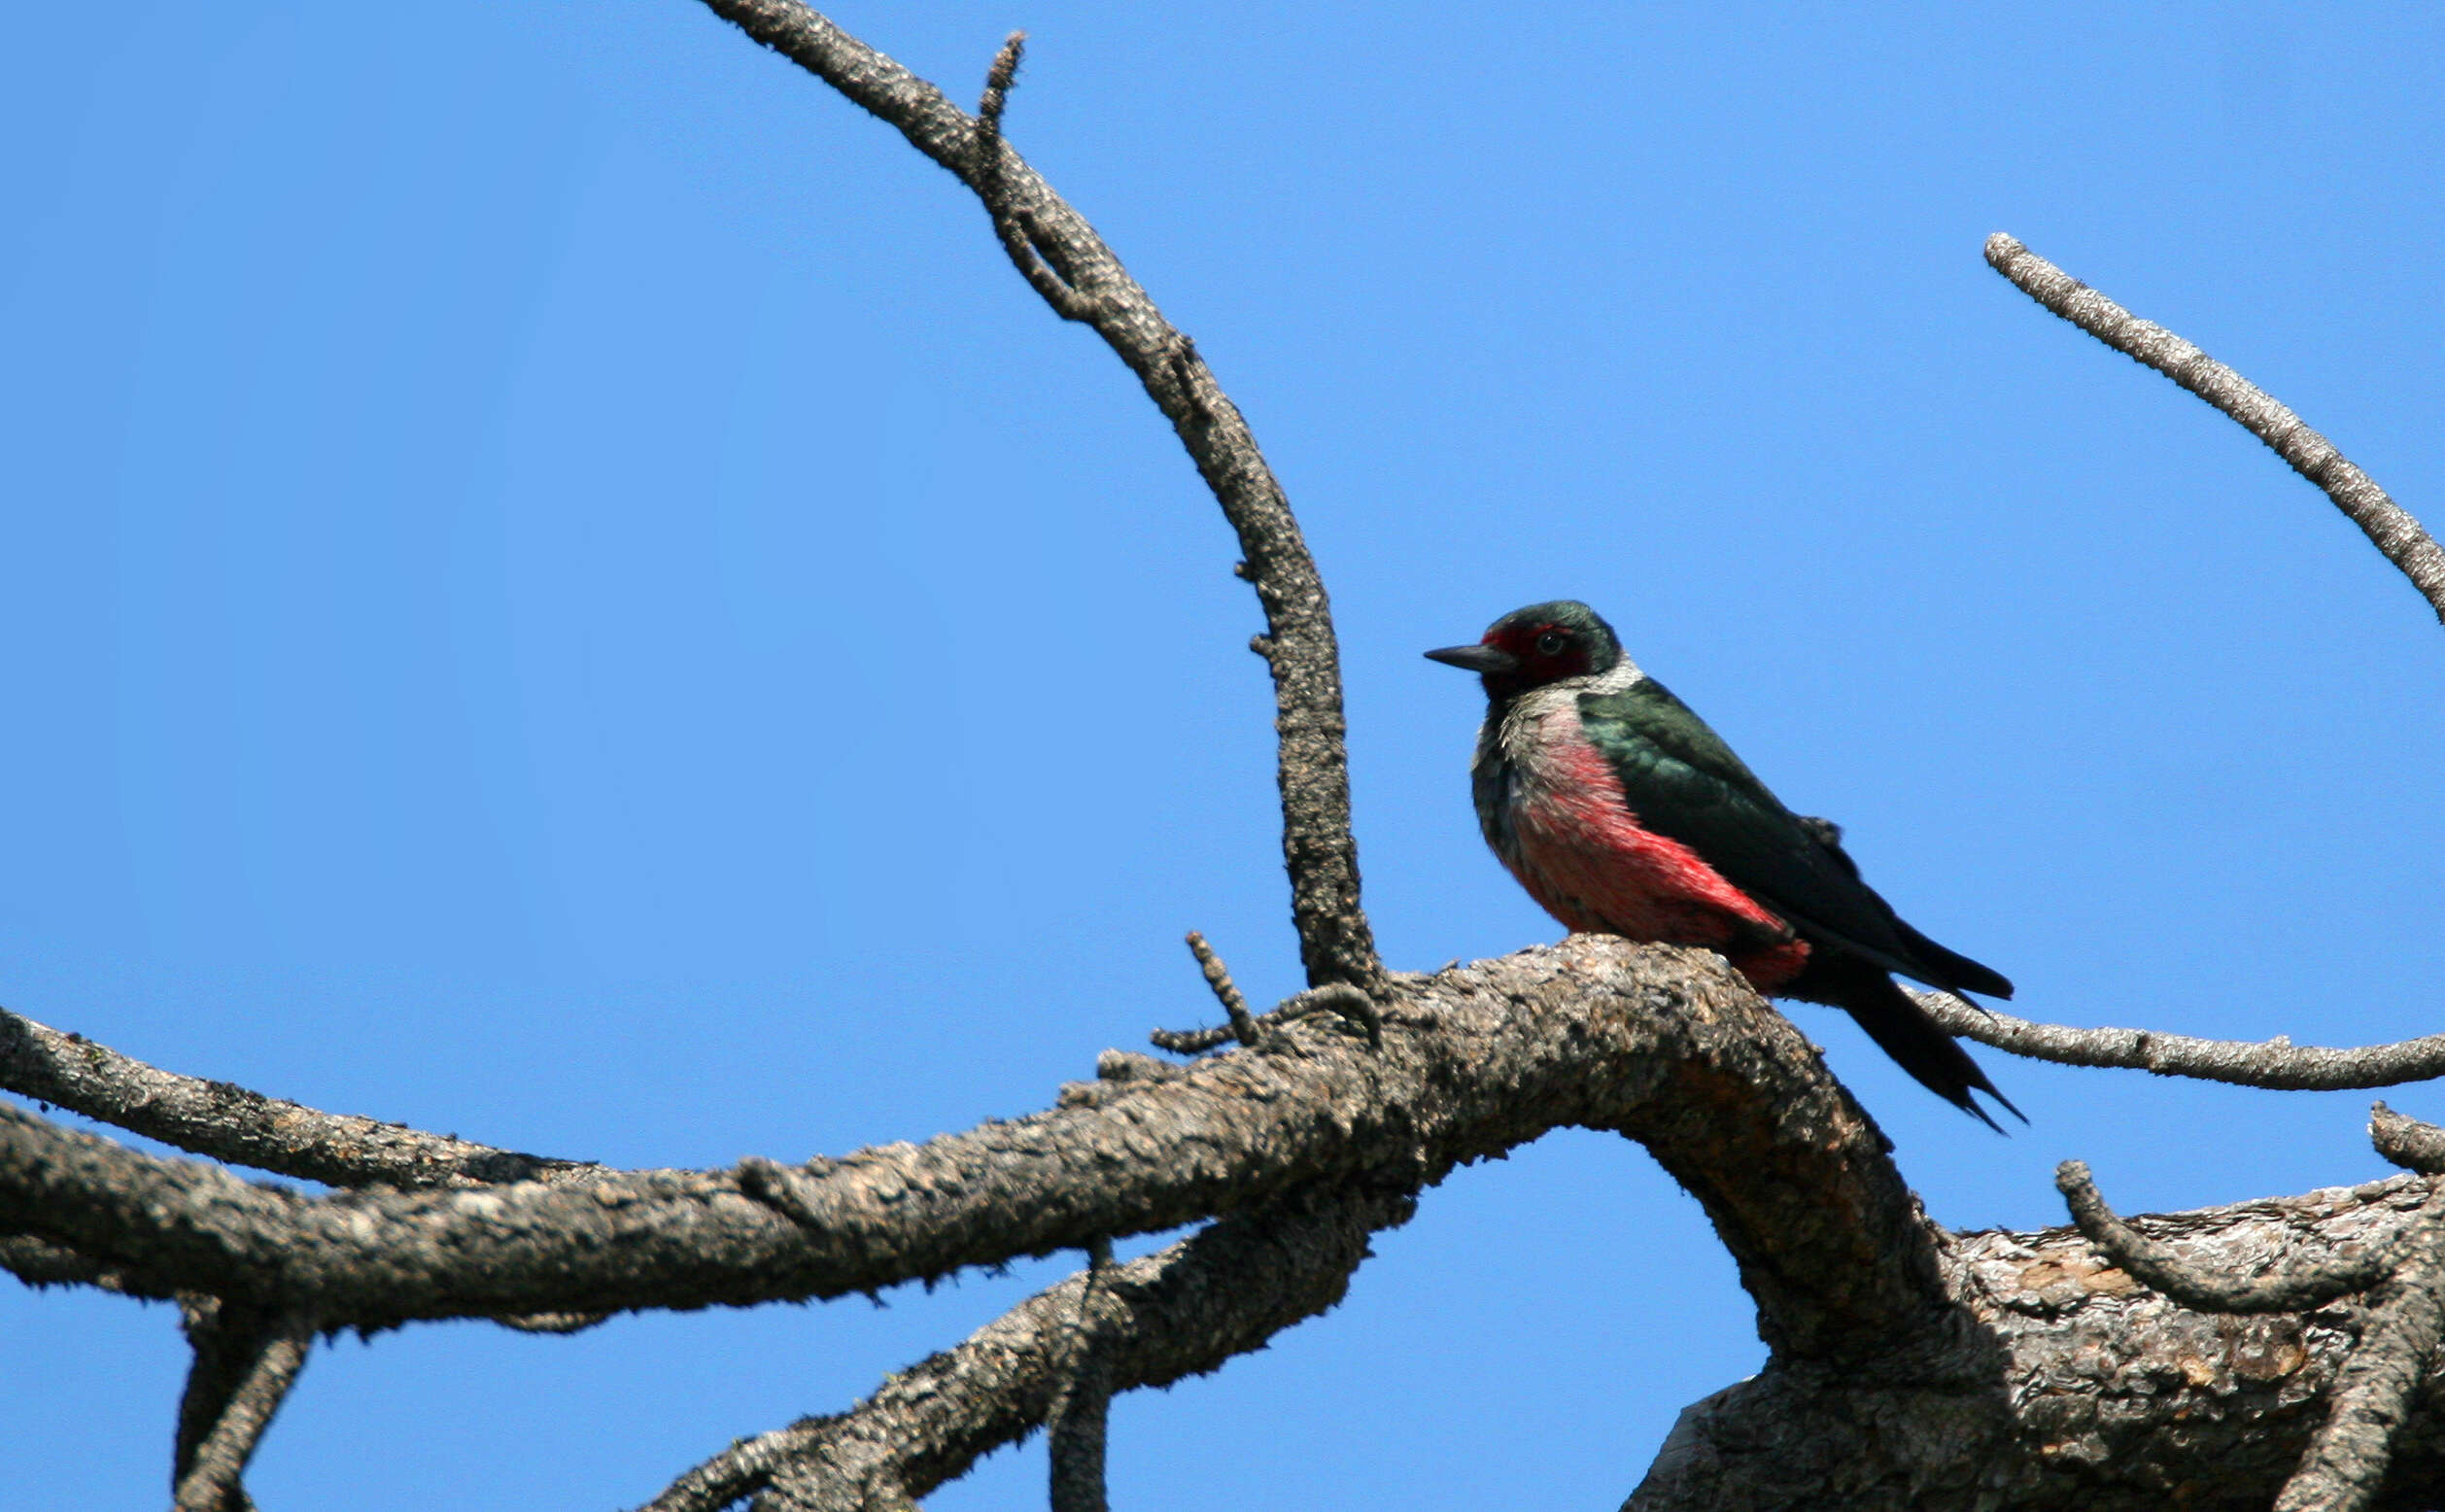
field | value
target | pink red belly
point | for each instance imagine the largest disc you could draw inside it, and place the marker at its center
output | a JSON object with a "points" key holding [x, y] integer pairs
{"points": [[1581, 853]]}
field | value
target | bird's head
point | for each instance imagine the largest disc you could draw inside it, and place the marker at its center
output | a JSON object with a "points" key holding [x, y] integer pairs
{"points": [[1529, 648]]}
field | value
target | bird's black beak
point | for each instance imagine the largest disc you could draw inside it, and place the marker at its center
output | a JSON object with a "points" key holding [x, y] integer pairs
{"points": [[1485, 660]]}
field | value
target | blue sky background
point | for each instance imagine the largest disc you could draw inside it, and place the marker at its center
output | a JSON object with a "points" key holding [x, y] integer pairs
{"points": [[557, 588]]}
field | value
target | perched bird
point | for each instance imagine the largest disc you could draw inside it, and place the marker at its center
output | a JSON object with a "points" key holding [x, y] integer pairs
{"points": [[1621, 812]]}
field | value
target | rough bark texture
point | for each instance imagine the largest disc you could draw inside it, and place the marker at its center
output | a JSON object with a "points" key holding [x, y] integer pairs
{"points": [[1663, 1044], [247, 1128], [2285, 1349], [245, 1364], [1910, 1366], [2073, 1386]]}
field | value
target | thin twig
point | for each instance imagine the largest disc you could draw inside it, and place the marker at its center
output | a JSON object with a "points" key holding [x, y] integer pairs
{"points": [[247, 1128], [1083, 280], [2386, 523], [997, 87], [2298, 1288], [245, 1364], [2277, 1064]]}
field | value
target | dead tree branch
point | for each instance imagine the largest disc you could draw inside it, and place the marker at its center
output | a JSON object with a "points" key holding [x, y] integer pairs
{"points": [[1910, 1366], [1219, 1292], [245, 1364], [2345, 1465], [1664, 1045], [1078, 1422], [2299, 1286], [2276, 1064], [39, 1262], [2387, 524], [1067, 263], [247, 1128], [2407, 1142], [2072, 1387]]}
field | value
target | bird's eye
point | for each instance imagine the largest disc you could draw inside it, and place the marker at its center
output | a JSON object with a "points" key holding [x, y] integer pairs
{"points": [[1551, 643]]}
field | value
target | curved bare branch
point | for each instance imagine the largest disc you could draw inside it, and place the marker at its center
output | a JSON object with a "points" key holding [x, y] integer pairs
{"points": [[2300, 1286], [2276, 1064], [1218, 1293], [1662, 1045], [2345, 1465], [2387, 524], [1071, 268], [247, 1128]]}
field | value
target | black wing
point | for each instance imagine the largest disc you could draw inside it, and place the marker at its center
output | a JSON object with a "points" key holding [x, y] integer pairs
{"points": [[1684, 783]]}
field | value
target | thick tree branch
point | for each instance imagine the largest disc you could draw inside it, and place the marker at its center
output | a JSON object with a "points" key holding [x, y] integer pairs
{"points": [[2386, 523], [1188, 1308], [2348, 1458], [247, 1128], [1071, 268], [2074, 1386], [2277, 1064], [1662, 1045]]}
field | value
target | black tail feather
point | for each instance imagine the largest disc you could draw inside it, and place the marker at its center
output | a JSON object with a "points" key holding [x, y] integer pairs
{"points": [[1902, 1029], [1954, 972]]}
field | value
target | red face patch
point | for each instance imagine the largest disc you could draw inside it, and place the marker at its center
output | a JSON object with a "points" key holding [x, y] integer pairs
{"points": [[1547, 652]]}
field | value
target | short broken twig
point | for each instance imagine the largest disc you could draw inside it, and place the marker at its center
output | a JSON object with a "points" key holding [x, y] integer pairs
{"points": [[2407, 1142], [1226, 991], [1049, 271], [1338, 997]]}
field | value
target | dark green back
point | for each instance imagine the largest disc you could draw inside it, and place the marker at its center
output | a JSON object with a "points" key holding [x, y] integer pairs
{"points": [[1684, 783]]}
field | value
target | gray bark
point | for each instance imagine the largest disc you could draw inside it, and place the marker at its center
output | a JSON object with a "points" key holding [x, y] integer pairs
{"points": [[2071, 1385], [2276, 1353]]}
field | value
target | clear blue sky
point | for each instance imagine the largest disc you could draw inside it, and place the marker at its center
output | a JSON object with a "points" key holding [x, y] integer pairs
{"points": [[559, 589]]}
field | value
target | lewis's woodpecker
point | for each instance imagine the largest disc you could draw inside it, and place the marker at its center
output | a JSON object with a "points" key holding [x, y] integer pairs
{"points": [[1622, 814]]}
